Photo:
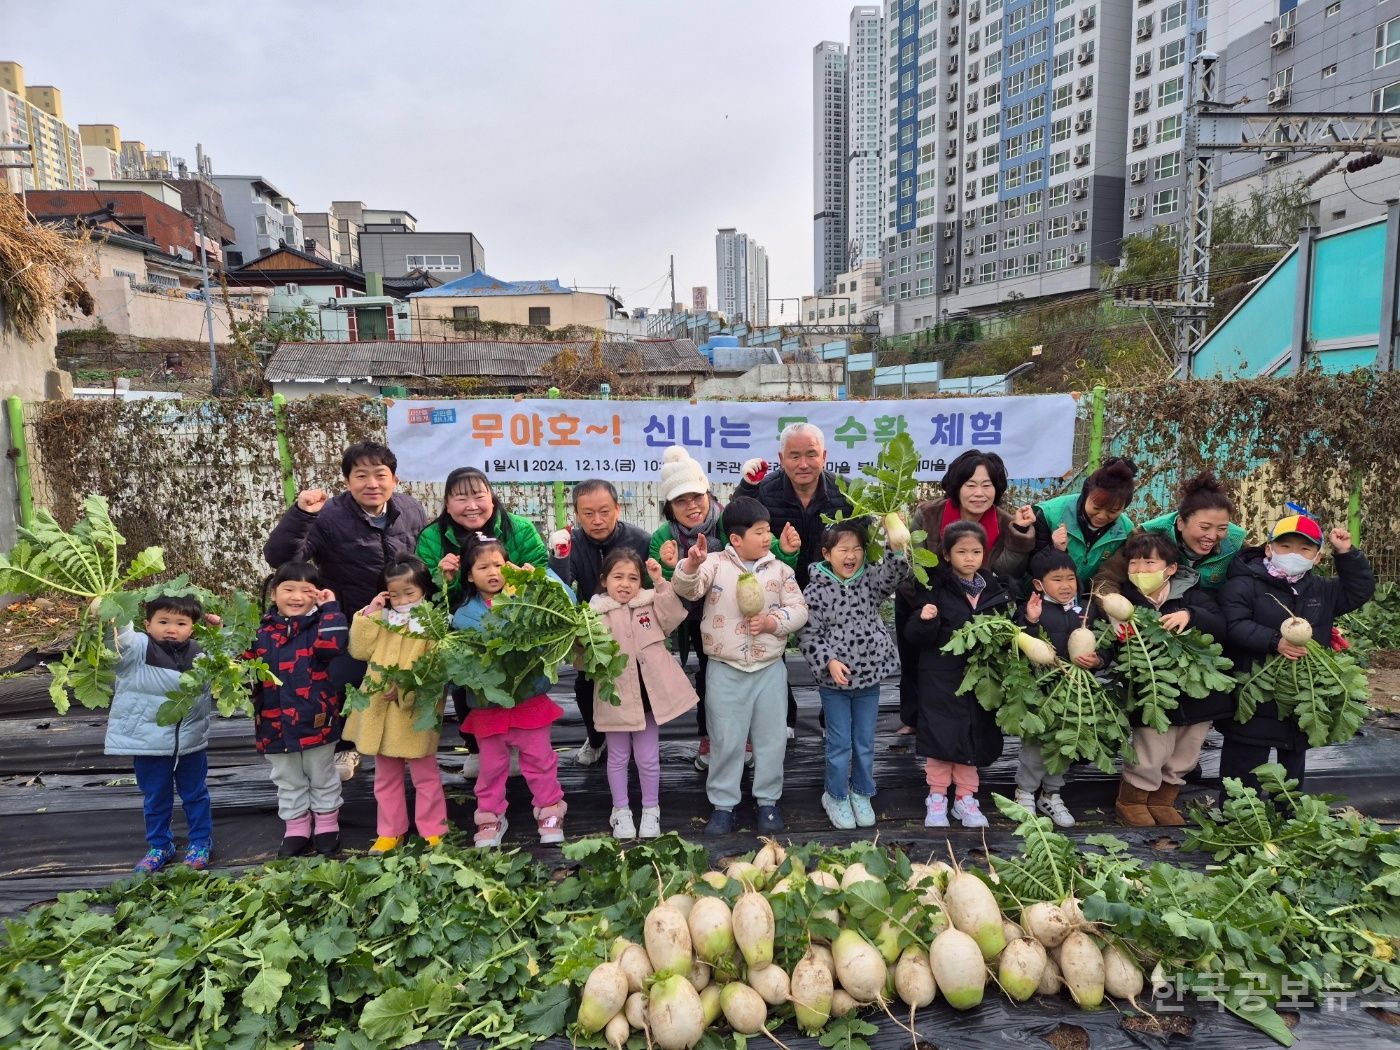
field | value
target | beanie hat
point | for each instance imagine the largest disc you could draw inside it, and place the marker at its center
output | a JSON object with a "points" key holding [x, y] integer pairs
{"points": [[681, 475], [1297, 524]]}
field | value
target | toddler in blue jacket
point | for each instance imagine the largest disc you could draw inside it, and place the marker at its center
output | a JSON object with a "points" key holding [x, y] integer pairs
{"points": [[166, 759]]}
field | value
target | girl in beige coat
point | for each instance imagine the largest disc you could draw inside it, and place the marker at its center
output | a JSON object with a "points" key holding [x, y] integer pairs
{"points": [[654, 689]]}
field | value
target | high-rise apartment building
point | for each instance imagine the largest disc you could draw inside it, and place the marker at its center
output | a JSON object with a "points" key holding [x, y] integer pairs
{"points": [[829, 144], [33, 116], [865, 118], [741, 277]]}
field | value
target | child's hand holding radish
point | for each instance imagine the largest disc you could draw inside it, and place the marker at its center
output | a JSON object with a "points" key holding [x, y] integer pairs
{"points": [[840, 673], [928, 612], [1177, 622], [696, 556], [449, 566], [1088, 661], [1033, 607], [763, 623]]}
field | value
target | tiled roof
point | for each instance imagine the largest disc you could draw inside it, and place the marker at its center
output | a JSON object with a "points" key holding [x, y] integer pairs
{"points": [[388, 359], [482, 283]]}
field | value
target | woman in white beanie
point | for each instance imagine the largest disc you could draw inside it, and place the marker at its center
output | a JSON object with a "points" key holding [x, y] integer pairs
{"points": [[691, 509]]}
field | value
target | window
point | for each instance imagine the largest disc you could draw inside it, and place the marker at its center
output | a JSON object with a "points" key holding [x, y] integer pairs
{"points": [[1167, 166], [988, 245], [1013, 207], [1064, 62], [466, 313], [1011, 238], [994, 31], [1011, 179], [432, 262], [1170, 91], [1032, 234], [1058, 226], [925, 261], [1329, 71], [992, 96], [928, 153], [1015, 115], [1387, 99], [1059, 131], [988, 272], [1164, 202], [1010, 268], [539, 315], [991, 65], [1055, 259], [1059, 195], [991, 154], [1064, 29], [1016, 20], [1169, 128], [1031, 202], [1063, 97], [989, 185], [1035, 108], [991, 125], [1014, 147], [1388, 43], [1059, 162], [1334, 9], [1040, 10], [1040, 42], [128, 274], [925, 237], [1016, 52], [1035, 76], [1283, 79], [260, 225], [1035, 171], [1015, 84], [1174, 16], [1032, 265], [1173, 54]]}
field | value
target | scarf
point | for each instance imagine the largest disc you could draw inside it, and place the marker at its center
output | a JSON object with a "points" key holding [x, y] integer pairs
{"points": [[1279, 574], [990, 523], [685, 538], [973, 588], [404, 617]]}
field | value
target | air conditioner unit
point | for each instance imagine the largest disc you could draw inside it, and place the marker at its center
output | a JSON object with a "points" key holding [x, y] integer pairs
{"points": [[1135, 212], [951, 177], [1076, 258], [969, 275], [953, 93], [1084, 90], [947, 284], [970, 193], [971, 163], [949, 228], [972, 73], [953, 8], [1082, 122], [1086, 20], [1077, 225], [1281, 38], [1139, 138], [953, 36], [949, 257], [951, 204], [1081, 159], [1138, 173], [1078, 192], [1144, 31], [972, 103], [973, 44], [951, 122], [951, 150], [1086, 54], [1141, 103], [1143, 65], [1278, 96], [972, 131], [952, 63], [969, 221], [974, 12], [968, 248], [1274, 156]]}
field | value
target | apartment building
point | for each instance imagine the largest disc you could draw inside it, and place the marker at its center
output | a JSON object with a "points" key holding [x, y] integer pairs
{"points": [[263, 218], [829, 165], [865, 116], [32, 115], [741, 277]]}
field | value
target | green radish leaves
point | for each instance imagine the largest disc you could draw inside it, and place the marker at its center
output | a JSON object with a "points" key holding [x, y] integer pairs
{"points": [[890, 486], [1325, 692]]}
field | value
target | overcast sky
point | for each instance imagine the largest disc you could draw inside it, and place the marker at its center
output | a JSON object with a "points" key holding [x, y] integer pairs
{"points": [[578, 139]]}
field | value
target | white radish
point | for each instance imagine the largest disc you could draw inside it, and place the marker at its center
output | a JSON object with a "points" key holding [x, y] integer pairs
{"points": [[674, 1012], [1011, 931], [1296, 631], [617, 1031], [700, 975], [958, 968], [887, 941], [771, 982], [783, 885], [682, 902], [859, 967], [1021, 967], [842, 1003], [1121, 977], [822, 953], [1050, 981], [709, 1004], [896, 532], [828, 882], [1081, 966], [1117, 607], [913, 978], [744, 871], [716, 880], [618, 946], [972, 909], [635, 1010], [712, 929], [604, 994], [1046, 923], [856, 873], [1074, 915], [1036, 650], [636, 964], [769, 856], [743, 1008], [811, 990], [668, 943], [754, 927], [1082, 642]]}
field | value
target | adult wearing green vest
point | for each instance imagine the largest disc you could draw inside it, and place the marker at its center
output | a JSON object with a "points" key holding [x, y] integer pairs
{"points": [[1202, 530], [469, 507], [1089, 524]]}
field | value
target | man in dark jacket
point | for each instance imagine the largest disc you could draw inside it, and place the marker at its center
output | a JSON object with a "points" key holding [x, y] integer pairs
{"points": [[350, 538], [576, 555]]}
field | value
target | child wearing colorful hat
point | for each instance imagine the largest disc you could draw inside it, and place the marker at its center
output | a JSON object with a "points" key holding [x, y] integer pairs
{"points": [[1266, 586]]}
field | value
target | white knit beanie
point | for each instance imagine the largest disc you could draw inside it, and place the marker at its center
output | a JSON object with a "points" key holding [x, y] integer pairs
{"points": [[681, 475]]}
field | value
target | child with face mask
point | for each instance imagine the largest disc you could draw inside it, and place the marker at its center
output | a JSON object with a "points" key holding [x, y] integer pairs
{"points": [[1147, 793], [1267, 586]]}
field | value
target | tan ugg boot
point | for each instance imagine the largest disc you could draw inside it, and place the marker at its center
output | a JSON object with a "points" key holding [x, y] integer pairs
{"points": [[1131, 806], [1162, 805]]}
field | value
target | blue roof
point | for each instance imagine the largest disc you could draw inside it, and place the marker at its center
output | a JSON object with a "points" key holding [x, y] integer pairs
{"points": [[482, 283]]}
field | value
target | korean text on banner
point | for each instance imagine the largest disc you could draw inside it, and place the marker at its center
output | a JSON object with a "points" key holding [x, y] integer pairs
{"points": [[538, 440]]}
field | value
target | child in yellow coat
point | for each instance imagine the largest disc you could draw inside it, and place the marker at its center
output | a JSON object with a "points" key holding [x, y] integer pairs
{"points": [[385, 729]]}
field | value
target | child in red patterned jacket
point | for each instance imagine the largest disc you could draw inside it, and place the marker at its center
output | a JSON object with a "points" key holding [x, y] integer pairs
{"points": [[297, 723]]}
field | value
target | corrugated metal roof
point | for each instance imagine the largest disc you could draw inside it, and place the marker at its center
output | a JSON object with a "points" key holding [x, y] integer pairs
{"points": [[482, 283], [388, 359]]}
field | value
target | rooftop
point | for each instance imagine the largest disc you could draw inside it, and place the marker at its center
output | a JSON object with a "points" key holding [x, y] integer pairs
{"points": [[482, 283]]}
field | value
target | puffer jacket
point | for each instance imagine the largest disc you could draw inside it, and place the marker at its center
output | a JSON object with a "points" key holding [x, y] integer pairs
{"points": [[386, 726], [844, 622], [722, 629], [641, 627], [304, 711], [145, 678], [340, 541]]}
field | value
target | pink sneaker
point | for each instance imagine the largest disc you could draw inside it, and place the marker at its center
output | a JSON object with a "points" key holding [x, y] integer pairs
{"points": [[490, 829], [550, 820]]}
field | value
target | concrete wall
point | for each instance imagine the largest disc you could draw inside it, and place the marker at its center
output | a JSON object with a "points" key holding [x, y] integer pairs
{"points": [[154, 315], [382, 251], [777, 382], [583, 308]]}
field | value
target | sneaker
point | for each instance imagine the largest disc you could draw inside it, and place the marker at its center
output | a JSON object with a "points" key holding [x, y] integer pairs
{"points": [[587, 754], [385, 844], [721, 822], [433, 841], [862, 809], [1026, 799], [651, 823], [838, 811], [770, 820], [702, 757], [346, 762], [490, 830], [471, 766], [295, 846], [153, 861], [1054, 808], [936, 811], [792, 732], [327, 843], [622, 827], [550, 823], [748, 756], [197, 858], [969, 812]]}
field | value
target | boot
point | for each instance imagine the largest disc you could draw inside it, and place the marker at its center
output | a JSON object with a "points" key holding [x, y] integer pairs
{"points": [[1131, 806], [1162, 805]]}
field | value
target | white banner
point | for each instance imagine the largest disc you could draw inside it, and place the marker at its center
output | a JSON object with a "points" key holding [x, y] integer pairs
{"points": [[564, 440]]}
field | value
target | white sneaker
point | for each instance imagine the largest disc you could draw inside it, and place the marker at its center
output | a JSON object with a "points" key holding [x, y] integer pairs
{"points": [[588, 755], [1054, 808], [346, 762], [1026, 799], [651, 823], [936, 811], [792, 733], [622, 827], [969, 812], [471, 766]]}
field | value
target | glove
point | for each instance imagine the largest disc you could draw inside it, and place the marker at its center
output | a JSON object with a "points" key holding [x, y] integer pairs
{"points": [[755, 470], [1339, 641], [561, 541]]}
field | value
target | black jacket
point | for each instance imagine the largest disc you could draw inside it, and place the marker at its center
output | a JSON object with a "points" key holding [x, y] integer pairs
{"points": [[583, 568], [952, 728], [1254, 605], [340, 541], [1206, 618], [776, 493], [1057, 623]]}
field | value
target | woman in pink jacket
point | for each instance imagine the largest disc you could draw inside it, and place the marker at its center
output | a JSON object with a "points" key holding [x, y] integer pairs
{"points": [[653, 687]]}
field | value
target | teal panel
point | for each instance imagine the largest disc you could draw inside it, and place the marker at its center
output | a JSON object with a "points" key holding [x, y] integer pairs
{"points": [[860, 363], [1347, 360], [1256, 334], [1346, 284]]}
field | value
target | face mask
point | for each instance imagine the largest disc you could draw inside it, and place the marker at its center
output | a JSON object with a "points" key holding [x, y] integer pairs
{"points": [[1292, 565], [1148, 583]]}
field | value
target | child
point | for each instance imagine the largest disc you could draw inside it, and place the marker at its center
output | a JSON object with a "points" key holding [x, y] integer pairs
{"points": [[497, 729], [955, 735], [1147, 793], [1264, 587], [850, 651], [297, 723], [746, 680], [1056, 608], [165, 759], [653, 687], [385, 729]]}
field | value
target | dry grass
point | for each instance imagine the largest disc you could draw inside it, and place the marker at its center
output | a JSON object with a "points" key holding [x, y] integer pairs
{"points": [[41, 270]]}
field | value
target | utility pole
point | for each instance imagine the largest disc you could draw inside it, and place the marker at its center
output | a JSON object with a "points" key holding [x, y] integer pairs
{"points": [[208, 299], [1193, 284], [673, 282]]}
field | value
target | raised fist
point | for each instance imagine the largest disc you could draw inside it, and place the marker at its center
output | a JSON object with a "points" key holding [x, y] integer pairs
{"points": [[561, 541], [755, 470], [790, 541], [311, 500], [1023, 520], [1060, 538], [670, 553], [654, 571], [1340, 539]]}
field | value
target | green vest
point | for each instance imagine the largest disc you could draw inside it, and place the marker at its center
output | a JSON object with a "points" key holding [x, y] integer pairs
{"points": [[1063, 510], [1215, 565]]}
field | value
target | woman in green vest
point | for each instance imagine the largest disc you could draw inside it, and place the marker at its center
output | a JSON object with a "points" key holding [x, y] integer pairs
{"points": [[1202, 530], [1089, 524]]}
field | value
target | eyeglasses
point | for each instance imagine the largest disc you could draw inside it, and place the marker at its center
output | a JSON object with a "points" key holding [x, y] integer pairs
{"points": [[689, 500]]}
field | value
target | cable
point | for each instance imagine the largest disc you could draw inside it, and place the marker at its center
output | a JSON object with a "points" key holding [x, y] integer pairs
{"points": [[1346, 180]]}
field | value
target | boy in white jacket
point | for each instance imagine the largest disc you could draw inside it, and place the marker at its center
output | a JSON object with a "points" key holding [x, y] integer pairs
{"points": [[746, 675]]}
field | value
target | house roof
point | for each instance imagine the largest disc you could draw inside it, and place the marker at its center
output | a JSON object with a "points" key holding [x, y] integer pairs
{"points": [[522, 362], [482, 283], [314, 267]]}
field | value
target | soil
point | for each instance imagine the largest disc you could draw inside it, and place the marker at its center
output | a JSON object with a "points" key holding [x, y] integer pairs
{"points": [[45, 624], [1384, 674]]}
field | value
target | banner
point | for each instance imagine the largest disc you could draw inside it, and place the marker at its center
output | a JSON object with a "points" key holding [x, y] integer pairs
{"points": [[565, 440]]}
